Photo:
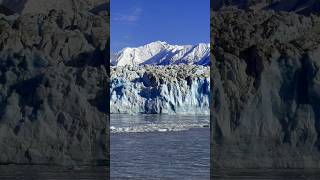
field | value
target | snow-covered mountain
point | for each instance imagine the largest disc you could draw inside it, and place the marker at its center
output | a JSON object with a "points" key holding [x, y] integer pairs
{"points": [[162, 53]]}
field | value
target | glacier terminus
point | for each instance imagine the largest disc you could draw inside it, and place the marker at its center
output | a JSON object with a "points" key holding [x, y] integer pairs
{"points": [[159, 78]]}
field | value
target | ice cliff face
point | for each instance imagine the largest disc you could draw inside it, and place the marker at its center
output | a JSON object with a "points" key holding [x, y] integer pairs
{"points": [[53, 83], [305, 7], [266, 89], [70, 7], [162, 53], [178, 89]]}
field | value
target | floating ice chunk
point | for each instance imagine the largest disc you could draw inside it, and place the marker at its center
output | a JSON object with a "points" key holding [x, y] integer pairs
{"points": [[162, 130]]}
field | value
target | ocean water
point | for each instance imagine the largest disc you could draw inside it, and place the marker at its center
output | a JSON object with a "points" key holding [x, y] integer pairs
{"points": [[43, 172], [266, 174], [160, 147]]}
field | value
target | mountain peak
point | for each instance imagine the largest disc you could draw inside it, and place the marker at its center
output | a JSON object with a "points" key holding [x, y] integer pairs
{"points": [[159, 42], [162, 53], [156, 44]]}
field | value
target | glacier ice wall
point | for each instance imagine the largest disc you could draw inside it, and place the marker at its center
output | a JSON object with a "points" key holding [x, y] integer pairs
{"points": [[175, 89]]}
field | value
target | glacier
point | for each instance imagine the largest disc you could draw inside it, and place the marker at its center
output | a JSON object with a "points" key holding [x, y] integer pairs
{"points": [[170, 89]]}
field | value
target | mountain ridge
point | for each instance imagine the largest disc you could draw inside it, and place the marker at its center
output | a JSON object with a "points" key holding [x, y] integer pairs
{"points": [[162, 53]]}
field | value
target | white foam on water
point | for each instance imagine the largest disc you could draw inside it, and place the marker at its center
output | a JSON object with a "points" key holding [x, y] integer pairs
{"points": [[156, 128]]}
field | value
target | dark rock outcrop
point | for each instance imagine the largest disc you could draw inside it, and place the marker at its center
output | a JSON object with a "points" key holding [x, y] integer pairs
{"points": [[53, 83], [265, 89]]}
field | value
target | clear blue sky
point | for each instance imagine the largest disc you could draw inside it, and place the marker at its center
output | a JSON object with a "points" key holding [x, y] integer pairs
{"points": [[138, 22]]}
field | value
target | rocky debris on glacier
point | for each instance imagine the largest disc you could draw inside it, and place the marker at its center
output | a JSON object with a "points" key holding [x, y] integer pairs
{"points": [[162, 53], [265, 89], [172, 89], [53, 82]]}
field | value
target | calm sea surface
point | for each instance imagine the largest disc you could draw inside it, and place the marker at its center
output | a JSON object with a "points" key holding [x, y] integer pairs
{"points": [[160, 147]]}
